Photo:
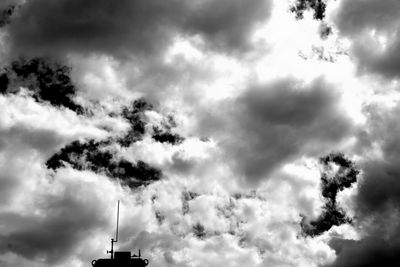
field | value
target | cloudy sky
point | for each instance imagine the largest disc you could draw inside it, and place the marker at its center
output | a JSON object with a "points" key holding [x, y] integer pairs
{"points": [[234, 132]]}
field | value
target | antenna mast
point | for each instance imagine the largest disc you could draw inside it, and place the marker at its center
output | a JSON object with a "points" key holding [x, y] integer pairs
{"points": [[116, 236]]}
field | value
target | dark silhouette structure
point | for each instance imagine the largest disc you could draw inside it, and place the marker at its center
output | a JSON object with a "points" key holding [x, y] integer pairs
{"points": [[120, 258]]}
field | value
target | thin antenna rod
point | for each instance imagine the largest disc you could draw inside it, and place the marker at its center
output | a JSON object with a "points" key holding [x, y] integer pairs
{"points": [[116, 237]]}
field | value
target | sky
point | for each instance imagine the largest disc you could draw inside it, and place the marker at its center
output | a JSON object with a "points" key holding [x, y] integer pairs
{"points": [[233, 132]]}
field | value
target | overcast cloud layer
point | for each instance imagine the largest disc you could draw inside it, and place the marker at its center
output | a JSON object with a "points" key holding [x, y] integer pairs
{"points": [[234, 132], [128, 28]]}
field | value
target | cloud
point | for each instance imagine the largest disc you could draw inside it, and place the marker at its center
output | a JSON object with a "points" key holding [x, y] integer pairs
{"points": [[377, 202], [43, 217], [46, 81], [94, 156], [131, 28], [318, 6], [271, 124], [52, 236], [237, 156], [372, 27], [107, 156], [380, 188], [332, 182], [5, 13], [371, 251], [24, 117], [55, 216], [216, 227], [65, 215]]}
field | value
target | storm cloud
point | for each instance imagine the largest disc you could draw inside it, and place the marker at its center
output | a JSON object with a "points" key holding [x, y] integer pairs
{"points": [[373, 28], [276, 122], [131, 28], [377, 202], [52, 236]]}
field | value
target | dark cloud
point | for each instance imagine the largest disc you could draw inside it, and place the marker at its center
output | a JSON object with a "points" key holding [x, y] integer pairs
{"points": [[380, 188], [186, 197], [5, 15], [317, 6], [7, 3], [7, 9], [127, 28], [183, 165], [331, 185], [101, 157], [357, 15], [71, 154], [377, 202], [135, 116], [369, 252], [47, 81], [160, 217], [199, 231], [94, 156], [324, 30], [164, 134], [364, 22], [344, 178], [226, 24], [278, 121], [166, 137], [53, 235]]}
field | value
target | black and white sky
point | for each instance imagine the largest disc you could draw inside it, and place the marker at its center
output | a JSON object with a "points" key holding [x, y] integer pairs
{"points": [[234, 132]]}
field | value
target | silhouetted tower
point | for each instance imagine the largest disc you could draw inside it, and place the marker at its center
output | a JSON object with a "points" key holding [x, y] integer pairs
{"points": [[120, 258]]}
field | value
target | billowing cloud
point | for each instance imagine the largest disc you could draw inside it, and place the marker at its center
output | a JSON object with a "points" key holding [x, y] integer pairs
{"points": [[211, 123], [36, 211]]}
